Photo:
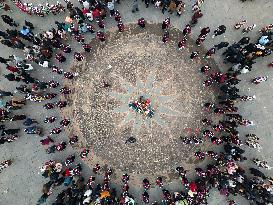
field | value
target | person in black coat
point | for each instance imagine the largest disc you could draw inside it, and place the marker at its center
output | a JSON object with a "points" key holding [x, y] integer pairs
{"points": [[12, 77], [28, 79], [79, 12], [8, 20], [29, 25], [257, 173], [4, 34], [12, 33], [244, 40], [10, 132], [3, 140], [219, 31], [18, 117], [5, 93], [4, 60], [221, 45], [7, 42], [147, 2]]}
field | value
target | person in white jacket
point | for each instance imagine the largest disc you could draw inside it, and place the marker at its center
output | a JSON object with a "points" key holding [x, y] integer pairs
{"points": [[85, 4]]}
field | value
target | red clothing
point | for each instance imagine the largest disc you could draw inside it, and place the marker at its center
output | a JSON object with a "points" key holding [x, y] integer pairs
{"points": [[193, 186], [12, 69], [96, 13], [85, 11], [67, 172], [196, 15], [14, 40], [222, 79]]}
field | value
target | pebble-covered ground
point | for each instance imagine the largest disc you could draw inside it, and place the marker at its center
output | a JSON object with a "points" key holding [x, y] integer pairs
{"points": [[138, 63]]}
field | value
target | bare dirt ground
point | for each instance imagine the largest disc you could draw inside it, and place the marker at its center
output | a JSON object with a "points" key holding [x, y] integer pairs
{"points": [[137, 63]]}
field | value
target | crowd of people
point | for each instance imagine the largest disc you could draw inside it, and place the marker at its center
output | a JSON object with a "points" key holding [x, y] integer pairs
{"points": [[39, 10], [224, 172]]}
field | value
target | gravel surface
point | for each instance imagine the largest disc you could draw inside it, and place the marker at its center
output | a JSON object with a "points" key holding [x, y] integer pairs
{"points": [[137, 63]]}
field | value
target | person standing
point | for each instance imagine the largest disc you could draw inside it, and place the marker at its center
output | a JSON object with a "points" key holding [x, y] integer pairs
{"points": [[182, 43], [4, 60], [204, 31], [18, 117], [135, 6], [245, 40], [29, 25], [5, 93], [101, 36], [86, 47], [219, 31], [221, 45], [166, 23], [5, 6], [117, 16], [111, 7], [86, 4], [84, 153], [12, 69], [8, 20], [200, 40], [180, 8], [12, 77], [141, 22], [164, 4], [120, 26], [172, 7], [194, 19], [210, 52], [187, 30], [147, 2], [165, 37], [194, 55], [29, 122]]}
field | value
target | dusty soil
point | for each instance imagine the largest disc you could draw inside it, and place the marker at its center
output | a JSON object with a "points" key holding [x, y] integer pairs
{"points": [[136, 63]]}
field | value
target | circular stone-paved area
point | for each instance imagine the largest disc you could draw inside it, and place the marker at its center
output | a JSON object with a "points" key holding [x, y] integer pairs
{"points": [[129, 65]]}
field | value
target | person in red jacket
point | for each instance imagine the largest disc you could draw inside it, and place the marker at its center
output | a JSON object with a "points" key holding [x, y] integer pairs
{"points": [[141, 22], [120, 26]]}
